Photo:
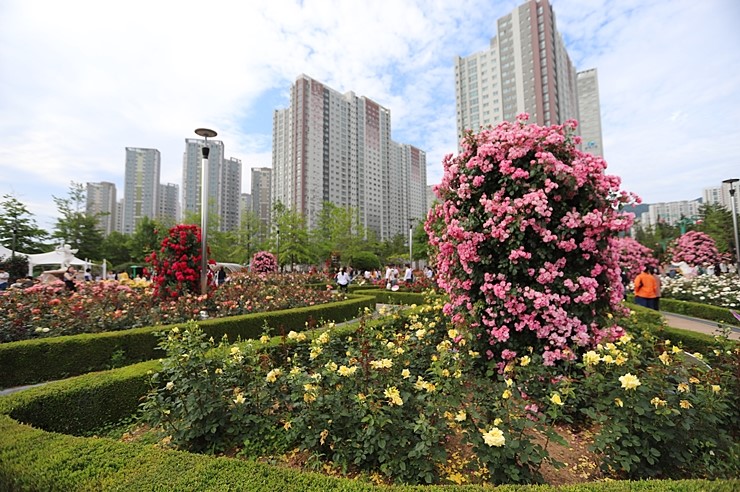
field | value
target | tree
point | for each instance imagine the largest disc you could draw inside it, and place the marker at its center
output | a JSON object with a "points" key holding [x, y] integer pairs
{"points": [[16, 266], [146, 238], [293, 237], [339, 230], [75, 227], [116, 248], [716, 222], [657, 238], [18, 229], [524, 240]]}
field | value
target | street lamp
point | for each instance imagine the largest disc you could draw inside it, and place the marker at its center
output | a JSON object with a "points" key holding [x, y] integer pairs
{"points": [[731, 182], [206, 134]]}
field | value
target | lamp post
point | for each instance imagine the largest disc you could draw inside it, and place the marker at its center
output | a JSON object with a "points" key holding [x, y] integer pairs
{"points": [[205, 133], [731, 182]]}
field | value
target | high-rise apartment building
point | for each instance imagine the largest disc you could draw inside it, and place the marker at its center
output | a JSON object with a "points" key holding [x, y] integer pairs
{"points": [[224, 182], [589, 111], [141, 188], [333, 147], [261, 197], [720, 195], [526, 70], [670, 213], [101, 201], [169, 204]]}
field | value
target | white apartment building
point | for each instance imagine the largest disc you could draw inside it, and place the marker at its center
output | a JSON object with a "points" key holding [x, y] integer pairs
{"points": [[261, 198], [526, 69], [224, 182], [670, 212], [169, 203], [141, 186], [720, 195], [333, 147], [101, 199]]}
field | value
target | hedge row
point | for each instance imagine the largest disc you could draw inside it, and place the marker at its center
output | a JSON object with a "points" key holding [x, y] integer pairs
{"points": [[40, 458], [45, 359], [697, 310], [692, 341]]}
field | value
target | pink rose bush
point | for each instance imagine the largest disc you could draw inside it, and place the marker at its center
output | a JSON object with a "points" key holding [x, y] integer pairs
{"points": [[695, 248], [524, 241], [633, 256], [264, 262]]}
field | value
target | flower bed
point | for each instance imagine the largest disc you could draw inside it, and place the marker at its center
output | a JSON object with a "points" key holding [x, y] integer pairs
{"points": [[404, 400], [46, 311], [722, 291]]}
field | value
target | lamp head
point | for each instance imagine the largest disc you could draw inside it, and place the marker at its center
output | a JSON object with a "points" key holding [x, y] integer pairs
{"points": [[205, 132]]}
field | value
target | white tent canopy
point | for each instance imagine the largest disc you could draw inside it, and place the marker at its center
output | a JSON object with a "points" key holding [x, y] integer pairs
{"points": [[7, 253], [51, 258]]}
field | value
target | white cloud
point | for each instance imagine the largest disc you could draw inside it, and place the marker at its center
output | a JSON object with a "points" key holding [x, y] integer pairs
{"points": [[82, 80]]}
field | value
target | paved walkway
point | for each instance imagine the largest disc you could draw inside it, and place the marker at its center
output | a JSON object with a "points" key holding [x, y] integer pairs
{"points": [[696, 324]]}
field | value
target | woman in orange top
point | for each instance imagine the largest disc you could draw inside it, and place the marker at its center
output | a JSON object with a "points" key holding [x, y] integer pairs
{"points": [[646, 289]]}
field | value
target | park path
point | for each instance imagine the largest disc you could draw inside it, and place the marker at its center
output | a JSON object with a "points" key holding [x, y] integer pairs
{"points": [[673, 320], [696, 324]]}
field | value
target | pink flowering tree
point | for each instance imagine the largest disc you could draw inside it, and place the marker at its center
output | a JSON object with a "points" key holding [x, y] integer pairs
{"points": [[633, 256], [695, 248], [524, 241], [264, 262]]}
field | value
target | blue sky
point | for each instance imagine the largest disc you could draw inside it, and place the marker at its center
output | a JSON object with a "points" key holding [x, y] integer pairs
{"points": [[82, 80]]}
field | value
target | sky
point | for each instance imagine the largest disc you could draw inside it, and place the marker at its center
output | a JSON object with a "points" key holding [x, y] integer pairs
{"points": [[81, 80]]}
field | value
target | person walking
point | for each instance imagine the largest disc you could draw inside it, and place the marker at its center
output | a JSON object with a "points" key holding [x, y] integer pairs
{"points": [[408, 276], [645, 288]]}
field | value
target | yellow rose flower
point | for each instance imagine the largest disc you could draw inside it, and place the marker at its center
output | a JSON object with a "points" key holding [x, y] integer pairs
{"points": [[618, 402], [591, 358], [494, 437], [460, 416], [685, 404], [405, 374], [657, 402], [506, 394], [393, 395], [555, 398], [239, 400], [716, 388], [629, 382], [524, 361], [665, 358]]}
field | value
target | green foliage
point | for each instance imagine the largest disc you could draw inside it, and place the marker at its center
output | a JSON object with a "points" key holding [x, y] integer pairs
{"points": [[16, 266], [79, 354], [657, 238], [662, 412], [716, 221], [147, 237], [364, 260], [116, 248], [17, 222], [75, 226]]}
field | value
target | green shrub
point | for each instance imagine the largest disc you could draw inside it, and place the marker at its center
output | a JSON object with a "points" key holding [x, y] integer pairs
{"points": [[697, 310], [32, 361]]}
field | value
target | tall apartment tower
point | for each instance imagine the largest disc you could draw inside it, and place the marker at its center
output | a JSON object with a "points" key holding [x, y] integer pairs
{"points": [[141, 188], [169, 203], [261, 197], [224, 182], [101, 199], [589, 110], [526, 69], [333, 147], [720, 195]]}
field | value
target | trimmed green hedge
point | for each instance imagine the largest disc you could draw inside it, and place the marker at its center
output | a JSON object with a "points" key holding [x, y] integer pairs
{"points": [[697, 310], [45, 359], [39, 458], [692, 341]]}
